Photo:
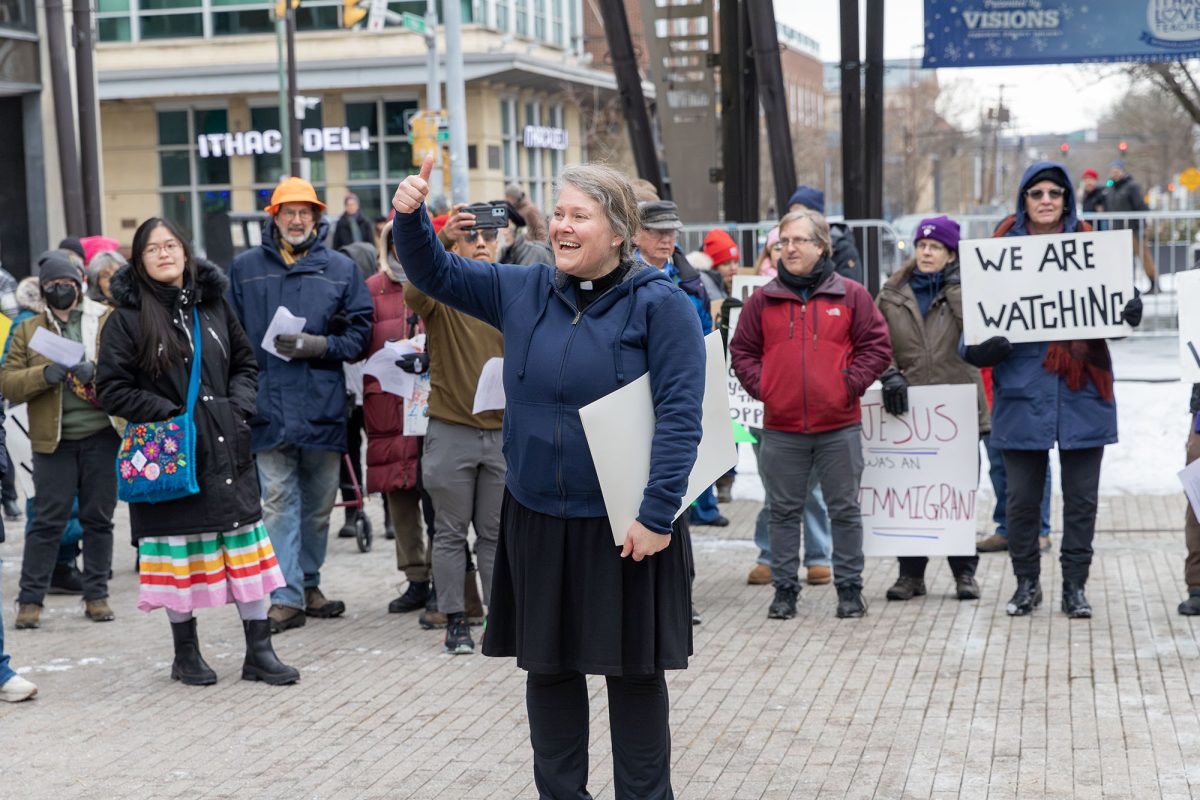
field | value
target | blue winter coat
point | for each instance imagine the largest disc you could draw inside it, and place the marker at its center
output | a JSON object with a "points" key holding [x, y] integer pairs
{"points": [[557, 359], [301, 402], [1032, 408]]}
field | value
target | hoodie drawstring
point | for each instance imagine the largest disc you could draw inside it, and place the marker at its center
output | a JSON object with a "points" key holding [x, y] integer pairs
{"points": [[529, 341], [621, 333]]}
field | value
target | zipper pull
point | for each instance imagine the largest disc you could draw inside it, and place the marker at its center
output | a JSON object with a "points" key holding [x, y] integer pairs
{"points": [[578, 314]]}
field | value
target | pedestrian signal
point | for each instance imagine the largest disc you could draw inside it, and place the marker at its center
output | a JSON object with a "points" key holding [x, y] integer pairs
{"points": [[353, 12]]}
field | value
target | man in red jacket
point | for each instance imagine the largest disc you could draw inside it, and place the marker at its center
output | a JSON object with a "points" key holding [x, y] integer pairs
{"points": [[808, 344]]}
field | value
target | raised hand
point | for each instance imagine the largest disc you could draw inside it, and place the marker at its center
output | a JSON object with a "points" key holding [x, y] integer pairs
{"points": [[413, 190]]}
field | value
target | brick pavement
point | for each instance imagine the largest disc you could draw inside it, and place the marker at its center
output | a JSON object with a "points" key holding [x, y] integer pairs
{"points": [[928, 699]]}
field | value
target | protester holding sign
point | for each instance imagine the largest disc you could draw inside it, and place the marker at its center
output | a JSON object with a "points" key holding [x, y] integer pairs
{"points": [[922, 304], [564, 600], [1048, 393], [808, 344], [1191, 527]]}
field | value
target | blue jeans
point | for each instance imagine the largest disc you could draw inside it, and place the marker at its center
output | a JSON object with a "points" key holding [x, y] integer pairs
{"points": [[299, 486], [818, 539], [704, 510], [1000, 487], [5, 670]]}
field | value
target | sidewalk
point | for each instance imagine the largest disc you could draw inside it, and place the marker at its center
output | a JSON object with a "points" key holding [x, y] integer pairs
{"points": [[931, 698]]}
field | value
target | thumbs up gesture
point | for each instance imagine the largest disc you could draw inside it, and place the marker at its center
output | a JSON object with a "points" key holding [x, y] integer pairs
{"points": [[413, 190]]}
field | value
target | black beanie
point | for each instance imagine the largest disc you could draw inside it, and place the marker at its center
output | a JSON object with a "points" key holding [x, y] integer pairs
{"points": [[73, 244], [1051, 174]]}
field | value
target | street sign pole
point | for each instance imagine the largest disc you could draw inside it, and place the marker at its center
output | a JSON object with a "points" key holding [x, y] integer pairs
{"points": [[456, 96], [433, 85]]}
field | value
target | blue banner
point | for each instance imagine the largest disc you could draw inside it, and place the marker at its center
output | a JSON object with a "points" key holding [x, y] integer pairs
{"points": [[1000, 33]]}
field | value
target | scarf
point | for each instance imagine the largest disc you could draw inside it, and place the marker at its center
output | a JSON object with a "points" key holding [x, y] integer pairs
{"points": [[1079, 360], [925, 286], [805, 285], [294, 252]]}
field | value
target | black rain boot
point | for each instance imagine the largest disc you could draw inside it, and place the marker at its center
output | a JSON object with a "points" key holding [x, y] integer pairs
{"points": [[347, 531], [1074, 604], [261, 663], [189, 667], [1026, 598]]}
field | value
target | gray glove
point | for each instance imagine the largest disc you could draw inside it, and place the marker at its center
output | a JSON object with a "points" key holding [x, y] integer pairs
{"points": [[54, 373], [85, 371], [300, 345]]}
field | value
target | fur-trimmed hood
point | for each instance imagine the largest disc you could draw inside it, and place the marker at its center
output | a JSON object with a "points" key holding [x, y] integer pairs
{"points": [[211, 284]]}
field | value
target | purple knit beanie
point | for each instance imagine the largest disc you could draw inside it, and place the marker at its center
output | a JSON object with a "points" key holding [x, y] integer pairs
{"points": [[940, 229]]}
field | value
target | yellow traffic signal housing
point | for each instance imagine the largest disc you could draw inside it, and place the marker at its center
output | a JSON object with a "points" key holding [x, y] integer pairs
{"points": [[281, 8], [352, 14]]}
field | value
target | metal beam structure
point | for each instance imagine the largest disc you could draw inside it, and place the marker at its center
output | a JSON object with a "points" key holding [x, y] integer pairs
{"points": [[64, 120], [873, 135], [89, 115], [739, 119], [853, 197], [765, 38]]}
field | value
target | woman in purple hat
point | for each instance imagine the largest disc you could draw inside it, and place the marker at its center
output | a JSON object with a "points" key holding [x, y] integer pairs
{"points": [[922, 304]]}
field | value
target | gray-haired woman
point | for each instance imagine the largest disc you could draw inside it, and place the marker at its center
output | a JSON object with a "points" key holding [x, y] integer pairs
{"points": [[564, 600], [100, 271]]}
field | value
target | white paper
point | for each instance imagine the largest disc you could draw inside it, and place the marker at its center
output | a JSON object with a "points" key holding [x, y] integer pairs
{"points": [[1046, 288], [58, 349], [284, 323], [742, 407], [16, 430], [745, 285], [921, 472], [623, 462], [1187, 285], [1189, 476], [382, 367], [489, 394], [416, 408]]}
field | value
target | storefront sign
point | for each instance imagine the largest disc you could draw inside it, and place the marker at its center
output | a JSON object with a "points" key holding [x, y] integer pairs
{"points": [[545, 138], [920, 473], [269, 142], [1046, 288], [989, 33]]}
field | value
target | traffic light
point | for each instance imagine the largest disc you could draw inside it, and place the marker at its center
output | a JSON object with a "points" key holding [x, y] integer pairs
{"points": [[1123, 147], [352, 13], [281, 8], [1066, 148]]}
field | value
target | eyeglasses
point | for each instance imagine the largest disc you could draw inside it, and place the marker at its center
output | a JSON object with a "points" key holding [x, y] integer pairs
{"points": [[488, 234], [170, 248], [659, 233], [777, 247], [1036, 194], [785, 243], [296, 213]]}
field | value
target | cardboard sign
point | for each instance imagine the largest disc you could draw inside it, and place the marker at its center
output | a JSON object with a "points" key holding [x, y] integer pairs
{"points": [[1187, 284], [743, 408], [921, 472], [1046, 288]]}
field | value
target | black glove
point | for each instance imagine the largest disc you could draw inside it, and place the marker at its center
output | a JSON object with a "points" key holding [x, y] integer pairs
{"points": [[895, 394], [338, 325], [85, 371], [300, 345], [416, 363], [54, 373], [1133, 310], [989, 353]]}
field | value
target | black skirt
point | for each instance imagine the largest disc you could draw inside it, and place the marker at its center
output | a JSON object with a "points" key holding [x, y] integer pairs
{"points": [[564, 599]]}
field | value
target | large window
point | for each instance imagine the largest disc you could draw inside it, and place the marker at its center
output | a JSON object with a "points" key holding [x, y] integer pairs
{"points": [[374, 173], [194, 190], [18, 15], [269, 167], [134, 20], [535, 169]]}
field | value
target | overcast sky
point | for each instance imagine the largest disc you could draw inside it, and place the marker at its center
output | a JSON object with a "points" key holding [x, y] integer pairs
{"points": [[1043, 99]]}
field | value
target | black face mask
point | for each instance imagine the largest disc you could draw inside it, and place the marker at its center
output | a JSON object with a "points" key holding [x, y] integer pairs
{"points": [[61, 296]]}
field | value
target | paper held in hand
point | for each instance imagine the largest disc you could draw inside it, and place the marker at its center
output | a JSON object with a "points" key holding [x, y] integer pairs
{"points": [[1189, 476], [382, 367], [489, 393], [1046, 288], [284, 323], [58, 349], [623, 461]]}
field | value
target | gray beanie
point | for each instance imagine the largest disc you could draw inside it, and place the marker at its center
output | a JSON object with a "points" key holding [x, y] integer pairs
{"points": [[55, 264]]}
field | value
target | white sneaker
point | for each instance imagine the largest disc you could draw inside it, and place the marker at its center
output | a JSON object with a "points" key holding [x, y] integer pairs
{"points": [[16, 689]]}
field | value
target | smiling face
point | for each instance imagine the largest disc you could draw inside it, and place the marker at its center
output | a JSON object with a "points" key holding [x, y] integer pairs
{"points": [[584, 243], [1043, 209], [295, 222], [163, 257]]}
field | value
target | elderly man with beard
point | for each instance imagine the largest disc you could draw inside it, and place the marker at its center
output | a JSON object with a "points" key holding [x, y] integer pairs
{"points": [[299, 428], [463, 466]]}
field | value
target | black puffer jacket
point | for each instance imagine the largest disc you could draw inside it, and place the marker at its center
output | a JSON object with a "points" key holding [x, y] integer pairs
{"points": [[229, 495]]}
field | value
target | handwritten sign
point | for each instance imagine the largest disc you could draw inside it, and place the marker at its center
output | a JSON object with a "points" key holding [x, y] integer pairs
{"points": [[921, 472], [1046, 288], [416, 408], [743, 408], [1187, 284]]}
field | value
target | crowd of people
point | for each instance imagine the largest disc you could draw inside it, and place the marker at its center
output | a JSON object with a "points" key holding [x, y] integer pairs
{"points": [[187, 370]]}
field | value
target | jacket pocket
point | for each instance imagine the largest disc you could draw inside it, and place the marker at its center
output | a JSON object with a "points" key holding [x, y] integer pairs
{"points": [[326, 396]]}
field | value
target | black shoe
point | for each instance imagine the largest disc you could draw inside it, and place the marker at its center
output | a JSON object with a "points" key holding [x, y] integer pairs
{"points": [[966, 587], [784, 604], [850, 603], [1074, 604], [458, 635], [1191, 606], [720, 521], [66, 579], [261, 663], [12, 512], [1026, 598], [414, 597], [189, 667], [696, 616], [906, 587], [348, 531]]}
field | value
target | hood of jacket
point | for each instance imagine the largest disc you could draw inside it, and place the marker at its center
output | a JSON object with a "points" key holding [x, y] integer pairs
{"points": [[211, 284], [363, 255], [1070, 220]]}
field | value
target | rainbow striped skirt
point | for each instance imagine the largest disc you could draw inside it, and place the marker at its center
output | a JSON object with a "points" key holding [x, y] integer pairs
{"points": [[206, 570]]}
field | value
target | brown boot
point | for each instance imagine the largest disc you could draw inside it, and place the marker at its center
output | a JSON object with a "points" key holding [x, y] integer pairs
{"points": [[819, 575], [472, 602], [29, 615], [98, 610], [284, 618], [317, 605], [760, 575], [991, 544]]}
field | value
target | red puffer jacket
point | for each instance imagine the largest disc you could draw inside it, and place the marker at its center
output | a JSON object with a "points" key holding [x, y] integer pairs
{"points": [[392, 457], [810, 362]]}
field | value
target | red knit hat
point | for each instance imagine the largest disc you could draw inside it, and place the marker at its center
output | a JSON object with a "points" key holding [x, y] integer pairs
{"points": [[720, 247], [1091, 173]]}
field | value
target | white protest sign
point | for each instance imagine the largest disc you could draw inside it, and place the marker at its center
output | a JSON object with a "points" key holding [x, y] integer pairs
{"points": [[416, 408], [1189, 476], [921, 471], [742, 407], [623, 462], [1187, 285], [1046, 288]]}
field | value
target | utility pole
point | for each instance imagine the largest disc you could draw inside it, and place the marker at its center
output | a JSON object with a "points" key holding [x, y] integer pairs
{"points": [[89, 122], [739, 119], [293, 122], [852, 136], [769, 71], [64, 120], [456, 97], [285, 114], [433, 85]]}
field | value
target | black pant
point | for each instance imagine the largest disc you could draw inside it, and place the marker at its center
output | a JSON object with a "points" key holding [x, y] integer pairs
{"points": [[8, 485], [641, 736], [83, 466], [1026, 470], [914, 566]]}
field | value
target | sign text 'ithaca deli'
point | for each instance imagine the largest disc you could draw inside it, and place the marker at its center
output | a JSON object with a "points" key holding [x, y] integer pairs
{"points": [[269, 142]]}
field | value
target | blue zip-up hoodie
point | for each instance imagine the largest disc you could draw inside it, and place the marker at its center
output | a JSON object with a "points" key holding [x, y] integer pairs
{"points": [[301, 402], [1032, 408], [558, 359]]}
